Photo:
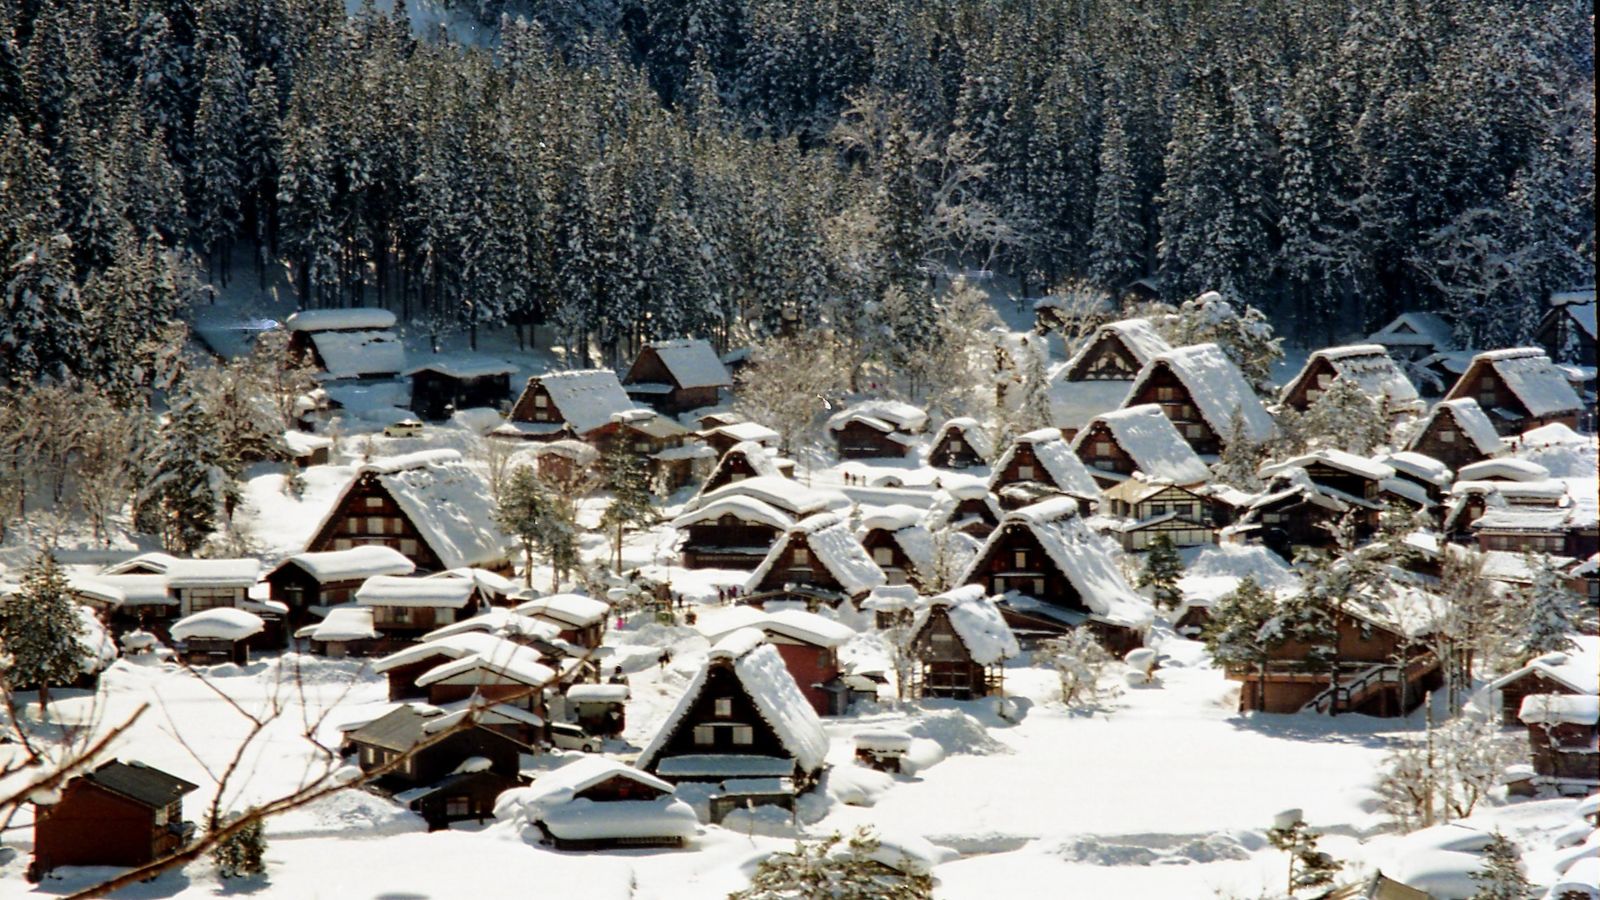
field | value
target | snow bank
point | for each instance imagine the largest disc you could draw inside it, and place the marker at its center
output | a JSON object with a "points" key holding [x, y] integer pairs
{"points": [[956, 733]]}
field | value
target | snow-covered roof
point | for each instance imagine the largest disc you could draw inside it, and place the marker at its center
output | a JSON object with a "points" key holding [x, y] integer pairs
{"points": [[1146, 434], [1085, 558], [1530, 375], [1415, 329], [1507, 469], [186, 573], [598, 693], [577, 451], [586, 398], [483, 579], [1560, 709], [455, 646], [356, 354], [1555, 434], [1338, 459], [446, 500], [391, 590], [1470, 419], [574, 610], [765, 677], [353, 564], [220, 623], [155, 561], [882, 415], [893, 597], [1369, 367], [746, 431], [1137, 335], [1418, 466], [1216, 386], [124, 590], [343, 623], [302, 444], [462, 365], [692, 363], [785, 494], [510, 664], [1062, 467], [970, 432], [356, 319], [498, 621], [1578, 668], [977, 621], [1074, 403], [586, 820], [797, 625], [747, 509], [829, 539], [882, 740]]}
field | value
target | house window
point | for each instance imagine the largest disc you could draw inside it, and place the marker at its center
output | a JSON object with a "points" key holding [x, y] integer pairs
{"points": [[1446, 436], [1183, 509], [1025, 473], [943, 639], [743, 735], [408, 547], [161, 817], [342, 544], [724, 707], [824, 658], [737, 476], [956, 446], [1158, 509], [883, 556], [375, 525], [1102, 448], [458, 806], [374, 502], [705, 735], [392, 615], [1194, 431], [210, 598], [1019, 559], [368, 758], [1166, 393], [802, 556], [541, 401], [1038, 587]]}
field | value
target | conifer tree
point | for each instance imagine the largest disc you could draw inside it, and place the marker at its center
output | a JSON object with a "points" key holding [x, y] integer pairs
{"points": [[1116, 247], [1500, 877], [632, 501], [1242, 631], [530, 513], [242, 853], [1542, 617], [1344, 418], [186, 482], [1162, 569], [1308, 867], [40, 633]]}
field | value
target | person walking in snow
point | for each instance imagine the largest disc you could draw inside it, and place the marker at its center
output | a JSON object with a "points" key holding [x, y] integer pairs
{"points": [[664, 658]]}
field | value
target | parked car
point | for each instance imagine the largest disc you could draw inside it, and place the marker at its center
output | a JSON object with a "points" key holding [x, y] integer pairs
{"points": [[570, 737], [403, 429]]}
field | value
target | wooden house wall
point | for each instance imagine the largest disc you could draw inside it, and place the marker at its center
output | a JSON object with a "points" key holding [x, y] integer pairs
{"points": [[1554, 333], [729, 469], [1358, 642], [1107, 360], [432, 392], [1565, 750], [1513, 692], [953, 452], [1037, 577], [368, 514], [947, 669], [786, 571], [91, 826], [886, 552], [857, 440], [719, 545], [619, 787], [1101, 452], [476, 793], [1164, 389], [1484, 384], [720, 683], [811, 666], [1315, 379], [527, 408]]}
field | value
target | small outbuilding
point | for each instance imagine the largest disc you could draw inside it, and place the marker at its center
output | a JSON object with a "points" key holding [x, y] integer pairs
{"points": [[961, 443], [119, 814], [442, 384], [595, 803], [220, 635], [960, 642], [876, 428]]}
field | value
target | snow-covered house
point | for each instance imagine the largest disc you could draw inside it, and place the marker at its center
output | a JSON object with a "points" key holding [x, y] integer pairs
{"points": [[595, 803], [403, 667], [819, 551], [1368, 366], [960, 642], [734, 526], [446, 766], [809, 644], [741, 717], [511, 675], [1053, 573], [1203, 392], [676, 376], [1457, 432], [1519, 389], [1574, 671], [1422, 472], [345, 631], [152, 563], [1115, 445], [1510, 504], [200, 584], [118, 814], [722, 436], [876, 428], [132, 602], [908, 552], [966, 506], [1412, 336], [347, 343], [331, 577], [1567, 331], [1307, 496], [448, 382], [563, 462], [403, 609], [1151, 507], [1563, 736], [582, 404], [961, 443], [1116, 352], [1040, 464], [747, 459], [578, 619], [218, 635], [430, 506]]}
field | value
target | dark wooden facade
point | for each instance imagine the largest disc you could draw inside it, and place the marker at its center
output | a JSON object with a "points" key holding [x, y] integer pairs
{"points": [[1165, 389], [944, 664], [885, 550], [1106, 359], [1371, 681], [1483, 383], [955, 451], [1565, 754], [648, 368], [723, 719], [858, 440], [1016, 561], [435, 394], [1564, 338], [1513, 692], [383, 741], [727, 542], [118, 815], [798, 565], [368, 514], [1101, 452], [1443, 438], [300, 590], [734, 465], [465, 796]]}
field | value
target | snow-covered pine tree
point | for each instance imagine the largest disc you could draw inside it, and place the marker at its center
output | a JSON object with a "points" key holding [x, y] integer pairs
{"points": [[528, 512], [824, 869], [1308, 867], [1344, 418], [632, 500], [1162, 569], [185, 482], [1117, 244], [40, 632], [217, 167], [1542, 615], [41, 313], [1079, 661], [1241, 457], [1500, 877], [1243, 630], [1033, 399], [242, 853]]}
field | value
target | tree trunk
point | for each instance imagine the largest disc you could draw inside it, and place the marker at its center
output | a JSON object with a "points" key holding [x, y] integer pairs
{"points": [[527, 564]]}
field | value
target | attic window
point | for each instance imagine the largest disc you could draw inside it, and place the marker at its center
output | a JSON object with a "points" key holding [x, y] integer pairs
{"points": [[1166, 393], [374, 502], [1019, 559], [883, 556], [724, 707], [705, 735], [1446, 436], [161, 817], [1025, 473], [802, 556], [541, 401], [743, 735]]}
